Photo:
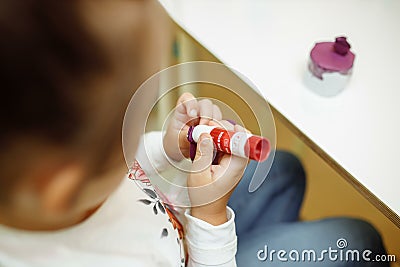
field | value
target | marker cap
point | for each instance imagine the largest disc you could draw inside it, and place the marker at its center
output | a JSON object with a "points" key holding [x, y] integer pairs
{"points": [[259, 148]]}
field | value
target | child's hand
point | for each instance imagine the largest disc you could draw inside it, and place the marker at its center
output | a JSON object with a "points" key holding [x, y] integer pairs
{"points": [[210, 186], [188, 112]]}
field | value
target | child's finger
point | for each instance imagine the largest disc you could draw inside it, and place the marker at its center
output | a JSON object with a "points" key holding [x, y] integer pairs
{"points": [[232, 162], [239, 128], [206, 111], [201, 176], [229, 166], [217, 114], [222, 124], [204, 156], [187, 105]]}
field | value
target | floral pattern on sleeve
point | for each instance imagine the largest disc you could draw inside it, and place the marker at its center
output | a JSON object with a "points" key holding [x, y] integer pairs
{"points": [[159, 204]]}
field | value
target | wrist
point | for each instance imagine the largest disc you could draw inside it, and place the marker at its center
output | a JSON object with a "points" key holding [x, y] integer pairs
{"points": [[213, 218]]}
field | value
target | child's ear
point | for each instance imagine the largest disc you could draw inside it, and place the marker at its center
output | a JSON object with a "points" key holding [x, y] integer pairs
{"points": [[60, 190]]}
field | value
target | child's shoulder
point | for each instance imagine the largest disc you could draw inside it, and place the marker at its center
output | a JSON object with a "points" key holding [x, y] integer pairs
{"points": [[130, 222]]}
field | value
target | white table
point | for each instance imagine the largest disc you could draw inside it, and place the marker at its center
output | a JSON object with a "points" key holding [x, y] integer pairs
{"points": [[358, 131]]}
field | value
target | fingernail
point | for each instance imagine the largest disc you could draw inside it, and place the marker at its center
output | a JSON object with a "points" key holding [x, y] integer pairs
{"points": [[193, 113]]}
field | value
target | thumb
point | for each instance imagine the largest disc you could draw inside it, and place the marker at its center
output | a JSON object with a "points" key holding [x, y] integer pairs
{"points": [[187, 105], [204, 155]]}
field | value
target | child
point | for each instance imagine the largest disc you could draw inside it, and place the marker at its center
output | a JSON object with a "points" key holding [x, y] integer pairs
{"points": [[68, 69]]}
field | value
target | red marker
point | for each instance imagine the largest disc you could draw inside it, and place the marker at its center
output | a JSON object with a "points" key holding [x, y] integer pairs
{"points": [[240, 144]]}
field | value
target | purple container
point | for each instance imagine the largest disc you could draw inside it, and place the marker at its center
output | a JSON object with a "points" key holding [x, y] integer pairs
{"points": [[330, 67]]}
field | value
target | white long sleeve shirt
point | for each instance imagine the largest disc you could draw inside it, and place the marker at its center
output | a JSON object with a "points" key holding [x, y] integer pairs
{"points": [[132, 228]]}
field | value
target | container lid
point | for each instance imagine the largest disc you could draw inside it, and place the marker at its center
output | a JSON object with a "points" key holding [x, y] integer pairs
{"points": [[333, 56]]}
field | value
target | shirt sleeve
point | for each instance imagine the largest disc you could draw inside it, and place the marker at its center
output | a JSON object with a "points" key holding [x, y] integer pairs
{"points": [[150, 153], [210, 245]]}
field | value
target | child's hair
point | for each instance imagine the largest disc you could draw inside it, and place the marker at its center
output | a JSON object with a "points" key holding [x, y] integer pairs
{"points": [[46, 57]]}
